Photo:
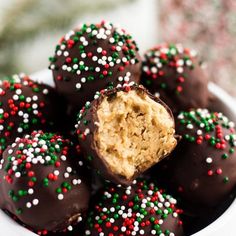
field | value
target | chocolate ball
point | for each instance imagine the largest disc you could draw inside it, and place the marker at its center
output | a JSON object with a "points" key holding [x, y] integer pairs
{"points": [[26, 105], [202, 167], [125, 131], [43, 182], [91, 58], [175, 74], [140, 209]]}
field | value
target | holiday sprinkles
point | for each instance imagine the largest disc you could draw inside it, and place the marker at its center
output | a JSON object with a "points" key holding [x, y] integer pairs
{"points": [[201, 168], [213, 128], [92, 57], [103, 177], [171, 70], [25, 105], [173, 56], [38, 173], [140, 209]]}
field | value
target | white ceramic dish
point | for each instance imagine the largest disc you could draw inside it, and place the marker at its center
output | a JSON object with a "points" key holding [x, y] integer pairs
{"points": [[223, 226]]}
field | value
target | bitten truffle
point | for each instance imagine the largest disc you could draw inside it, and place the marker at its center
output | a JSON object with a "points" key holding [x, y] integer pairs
{"points": [[125, 131], [141, 209], [175, 74], [93, 57], [43, 182], [25, 105], [202, 167]]}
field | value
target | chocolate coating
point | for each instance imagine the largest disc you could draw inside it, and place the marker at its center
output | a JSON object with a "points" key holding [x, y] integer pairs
{"points": [[175, 74], [43, 182], [140, 209], [88, 124], [26, 105], [91, 58], [202, 167]]}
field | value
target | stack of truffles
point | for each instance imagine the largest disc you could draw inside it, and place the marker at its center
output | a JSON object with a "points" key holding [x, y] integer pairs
{"points": [[123, 145]]}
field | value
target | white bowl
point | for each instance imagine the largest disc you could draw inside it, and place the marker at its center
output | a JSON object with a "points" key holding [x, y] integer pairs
{"points": [[223, 226]]}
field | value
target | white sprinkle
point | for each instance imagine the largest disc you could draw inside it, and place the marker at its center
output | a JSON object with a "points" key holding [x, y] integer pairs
{"points": [[111, 40], [45, 91], [30, 191], [63, 47], [209, 160], [75, 66], [35, 98], [82, 39], [66, 54], [97, 69], [18, 91], [66, 175], [189, 126], [199, 132], [83, 80], [64, 67], [10, 151], [15, 97], [120, 78], [99, 49], [60, 196], [17, 174], [35, 161], [141, 231], [175, 215], [94, 58], [35, 202], [19, 130], [180, 70], [63, 158], [59, 53], [160, 222]]}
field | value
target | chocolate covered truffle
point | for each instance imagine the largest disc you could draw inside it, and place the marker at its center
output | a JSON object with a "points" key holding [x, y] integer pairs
{"points": [[25, 105], [91, 58], [141, 209], [43, 182], [175, 74], [125, 131], [202, 167]]}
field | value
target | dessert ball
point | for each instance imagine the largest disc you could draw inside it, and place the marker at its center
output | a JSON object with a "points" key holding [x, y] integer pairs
{"points": [[175, 74], [202, 167], [140, 209], [91, 58], [125, 131], [25, 105], [43, 182]]}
